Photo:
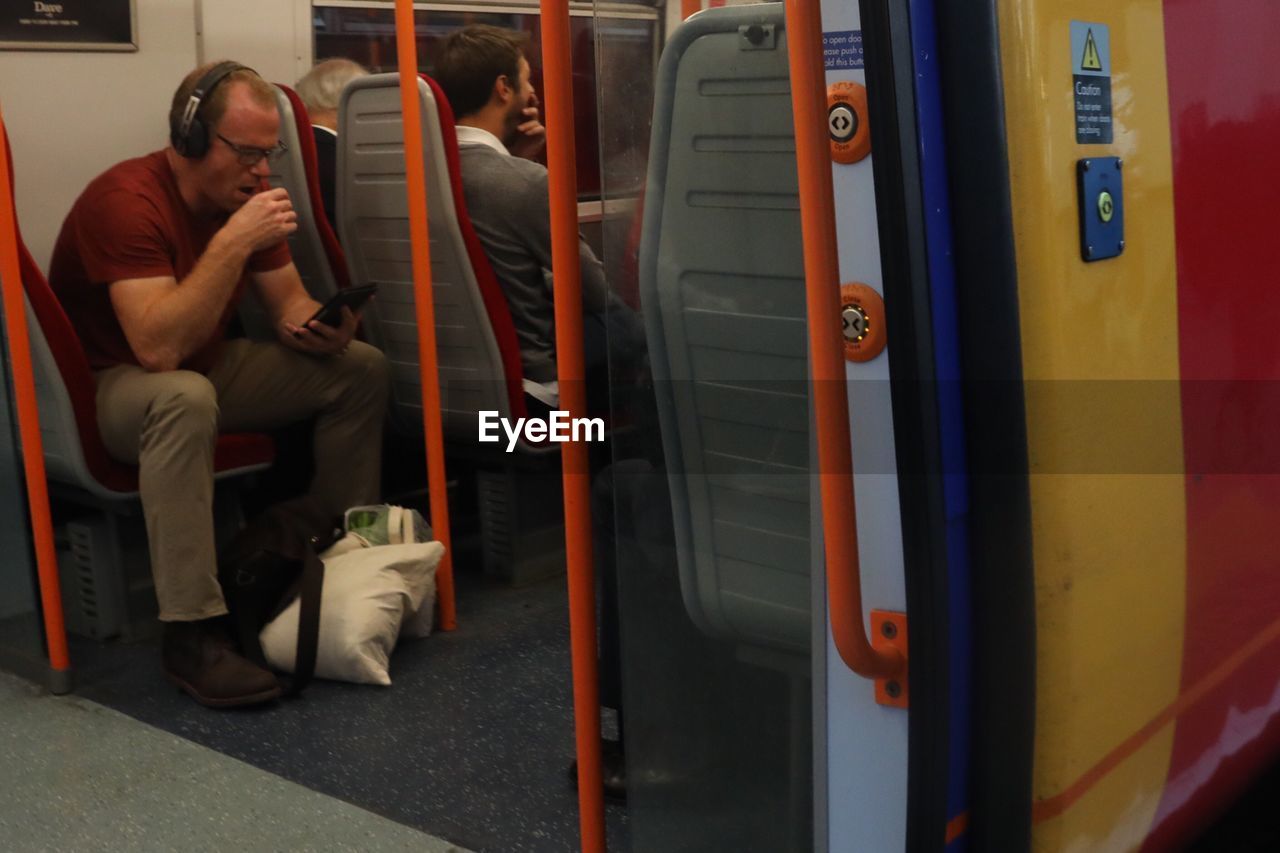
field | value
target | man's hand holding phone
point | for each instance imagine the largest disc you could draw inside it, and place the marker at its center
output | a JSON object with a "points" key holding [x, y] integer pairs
{"points": [[317, 338], [330, 328]]}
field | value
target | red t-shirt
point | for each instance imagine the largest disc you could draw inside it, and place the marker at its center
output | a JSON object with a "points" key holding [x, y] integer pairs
{"points": [[131, 222]]}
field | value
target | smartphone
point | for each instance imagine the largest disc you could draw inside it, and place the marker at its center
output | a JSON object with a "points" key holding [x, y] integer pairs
{"points": [[330, 313]]}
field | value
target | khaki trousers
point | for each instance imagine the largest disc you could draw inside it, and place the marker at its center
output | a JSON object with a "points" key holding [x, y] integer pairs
{"points": [[167, 423]]}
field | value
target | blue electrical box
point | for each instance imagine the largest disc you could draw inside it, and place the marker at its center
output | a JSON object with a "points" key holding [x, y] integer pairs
{"points": [[1099, 181]]}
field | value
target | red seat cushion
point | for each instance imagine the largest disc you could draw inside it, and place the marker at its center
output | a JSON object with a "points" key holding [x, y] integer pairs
{"points": [[307, 147], [232, 451], [241, 450]]}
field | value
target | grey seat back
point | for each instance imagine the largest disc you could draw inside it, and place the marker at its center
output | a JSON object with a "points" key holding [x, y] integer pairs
{"points": [[64, 458], [305, 244], [64, 455], [722, 287], [373, 223]]}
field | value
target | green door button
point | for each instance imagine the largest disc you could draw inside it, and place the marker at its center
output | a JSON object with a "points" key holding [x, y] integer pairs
{"points": [[1106, 207], [1100, 207]]}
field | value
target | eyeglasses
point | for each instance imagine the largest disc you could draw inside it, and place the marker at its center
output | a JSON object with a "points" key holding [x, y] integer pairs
{"points": [[247, 155]]}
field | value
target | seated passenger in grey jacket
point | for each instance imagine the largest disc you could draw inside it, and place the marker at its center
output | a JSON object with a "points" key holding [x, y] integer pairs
{"points": [[485, 76]]}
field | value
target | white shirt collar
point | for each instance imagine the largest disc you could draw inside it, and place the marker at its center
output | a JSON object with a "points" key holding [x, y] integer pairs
{"points": [[468, 135], [327, 130]]}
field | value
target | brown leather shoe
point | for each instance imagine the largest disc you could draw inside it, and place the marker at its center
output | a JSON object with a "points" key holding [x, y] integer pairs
{"points": [[200, 659]]}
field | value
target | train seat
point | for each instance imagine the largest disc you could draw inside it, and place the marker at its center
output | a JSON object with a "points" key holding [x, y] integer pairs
{"points": [[100, 575], [722, 288], [314, 245], [478, 354], [65, 393]]}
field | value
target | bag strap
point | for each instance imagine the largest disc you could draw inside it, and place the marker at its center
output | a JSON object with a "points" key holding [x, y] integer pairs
{"points": [[310, 586]]}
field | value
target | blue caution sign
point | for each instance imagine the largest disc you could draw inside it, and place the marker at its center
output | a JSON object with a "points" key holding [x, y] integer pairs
{"points": [[1091, 81], [842, 49]]}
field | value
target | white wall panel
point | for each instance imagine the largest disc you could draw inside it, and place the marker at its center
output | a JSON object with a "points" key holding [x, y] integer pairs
{"points": [[72, 115], [866, 743], [271, 36]]}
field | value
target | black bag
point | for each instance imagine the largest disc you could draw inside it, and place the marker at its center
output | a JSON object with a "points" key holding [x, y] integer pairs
{"points": [[270, 561]]}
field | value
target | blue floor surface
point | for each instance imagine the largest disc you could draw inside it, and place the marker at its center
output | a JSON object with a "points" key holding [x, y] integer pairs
{"points": [[470, 743]]}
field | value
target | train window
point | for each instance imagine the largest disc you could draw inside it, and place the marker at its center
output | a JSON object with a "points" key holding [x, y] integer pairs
{"points": [[365, 32]]}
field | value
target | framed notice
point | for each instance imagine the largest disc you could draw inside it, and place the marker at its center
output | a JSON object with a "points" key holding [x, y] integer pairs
{"points": [[68, 25]]}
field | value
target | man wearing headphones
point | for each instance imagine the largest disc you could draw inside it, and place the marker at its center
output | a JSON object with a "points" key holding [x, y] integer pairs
{"points": [[150, 266]]}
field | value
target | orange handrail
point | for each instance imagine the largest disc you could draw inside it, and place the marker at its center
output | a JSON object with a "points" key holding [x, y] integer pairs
{"points": [[424, 303], [831, 403], [557, 82], [689, 7], [15, 319]]}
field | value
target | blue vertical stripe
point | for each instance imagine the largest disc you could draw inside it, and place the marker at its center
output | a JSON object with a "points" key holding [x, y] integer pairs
{"points": [[946, 340]]}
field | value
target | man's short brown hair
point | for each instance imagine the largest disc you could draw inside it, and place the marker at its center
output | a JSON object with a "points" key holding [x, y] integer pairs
{"points": [[215, 105], [470, 61]]}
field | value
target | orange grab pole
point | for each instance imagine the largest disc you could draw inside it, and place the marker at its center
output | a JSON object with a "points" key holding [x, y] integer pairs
{"points": [[15, 318], [424, 302], [689, 7], [562, 187], [831, 403]]}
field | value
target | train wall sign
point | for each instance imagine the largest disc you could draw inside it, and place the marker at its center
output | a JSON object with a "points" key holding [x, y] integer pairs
{"points": [[85, 25]]}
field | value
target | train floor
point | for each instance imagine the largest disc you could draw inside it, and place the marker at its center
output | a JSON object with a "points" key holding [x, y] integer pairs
{"points": [[466, 750], [79, 776], [470, 743]]}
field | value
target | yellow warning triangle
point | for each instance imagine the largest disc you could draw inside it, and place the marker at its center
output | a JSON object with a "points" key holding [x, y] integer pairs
{"points": [[1091, 61]]}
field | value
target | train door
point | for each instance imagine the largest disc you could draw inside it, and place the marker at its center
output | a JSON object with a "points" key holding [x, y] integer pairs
{"points": [[743, 725]]}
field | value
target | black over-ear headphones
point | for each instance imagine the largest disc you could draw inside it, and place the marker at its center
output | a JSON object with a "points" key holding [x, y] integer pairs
{"points": [[191, 136]]}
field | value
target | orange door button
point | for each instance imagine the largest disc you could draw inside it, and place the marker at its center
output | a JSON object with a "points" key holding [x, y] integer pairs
{"points": [[847, 121], [862, 319]]}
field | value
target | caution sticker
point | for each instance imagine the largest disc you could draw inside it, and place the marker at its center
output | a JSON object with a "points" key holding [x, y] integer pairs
{"points": [[1091, 81]]}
